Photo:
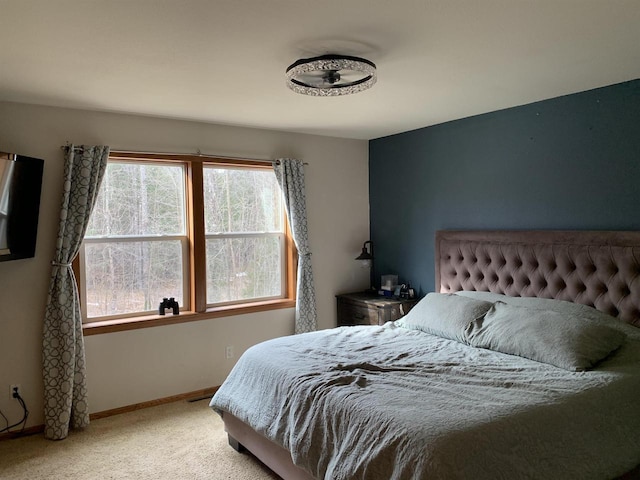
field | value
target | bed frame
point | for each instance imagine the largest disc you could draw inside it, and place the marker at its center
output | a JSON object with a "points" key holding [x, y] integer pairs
{"points": [[600, 269]]}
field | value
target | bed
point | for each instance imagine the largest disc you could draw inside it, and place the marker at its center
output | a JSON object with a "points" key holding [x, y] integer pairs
{"points": [[525, 364]]}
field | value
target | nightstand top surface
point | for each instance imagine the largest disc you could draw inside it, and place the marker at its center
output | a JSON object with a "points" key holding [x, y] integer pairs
{"points": [[373, 298]]}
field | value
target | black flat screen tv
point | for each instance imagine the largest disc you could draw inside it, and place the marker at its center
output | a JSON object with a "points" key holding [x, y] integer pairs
{"points": [[20, 188]]}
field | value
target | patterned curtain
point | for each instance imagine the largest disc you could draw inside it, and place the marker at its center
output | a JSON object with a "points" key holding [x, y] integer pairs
{"points": [[290, 175], [65, 390]]}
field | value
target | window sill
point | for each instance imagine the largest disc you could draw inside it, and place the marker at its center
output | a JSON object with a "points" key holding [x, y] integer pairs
{"points": [[135, 323]]}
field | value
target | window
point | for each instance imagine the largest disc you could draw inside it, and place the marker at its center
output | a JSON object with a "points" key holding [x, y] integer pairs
{"points": [[210, 233], [244, 233]]}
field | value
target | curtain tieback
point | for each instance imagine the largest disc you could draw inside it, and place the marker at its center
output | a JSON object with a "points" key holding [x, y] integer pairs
{"points": [[308, 254], [57, 264]]}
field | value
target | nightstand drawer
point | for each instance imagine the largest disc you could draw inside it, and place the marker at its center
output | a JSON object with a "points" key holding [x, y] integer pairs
{"points": [[393, 312], [352, 314]]}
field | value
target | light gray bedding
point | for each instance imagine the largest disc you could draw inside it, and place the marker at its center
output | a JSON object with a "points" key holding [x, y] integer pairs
{"points": [[391, 403]]}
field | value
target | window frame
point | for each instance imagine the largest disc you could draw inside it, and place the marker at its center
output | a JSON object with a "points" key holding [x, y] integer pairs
{"points": [[196, 249]]}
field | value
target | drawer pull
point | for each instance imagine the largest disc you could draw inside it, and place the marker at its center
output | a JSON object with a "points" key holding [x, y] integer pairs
{"points": [[359, 316]]}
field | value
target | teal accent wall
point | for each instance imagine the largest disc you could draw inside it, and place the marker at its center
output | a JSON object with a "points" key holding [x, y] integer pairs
{"points": [[569, 163]]}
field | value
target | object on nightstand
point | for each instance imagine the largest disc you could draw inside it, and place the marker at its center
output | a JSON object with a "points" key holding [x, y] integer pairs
{"points": [[404, 291], [389, 282]]}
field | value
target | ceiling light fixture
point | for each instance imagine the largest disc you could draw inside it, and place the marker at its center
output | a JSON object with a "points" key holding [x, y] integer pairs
{"points": [[331, 75]]}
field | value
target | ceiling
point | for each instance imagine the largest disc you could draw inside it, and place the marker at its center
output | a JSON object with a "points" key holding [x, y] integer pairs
{"points": [[223, 61]]}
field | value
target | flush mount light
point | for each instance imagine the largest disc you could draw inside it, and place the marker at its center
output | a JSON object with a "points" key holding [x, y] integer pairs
{"points": [[331, 75]]}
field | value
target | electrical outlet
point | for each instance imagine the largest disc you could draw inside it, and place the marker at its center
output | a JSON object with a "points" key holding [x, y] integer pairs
{"points": [[15, 387], [228, 352]]}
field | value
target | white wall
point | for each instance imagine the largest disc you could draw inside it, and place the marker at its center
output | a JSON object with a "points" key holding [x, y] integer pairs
{"points": [[135, 366]]}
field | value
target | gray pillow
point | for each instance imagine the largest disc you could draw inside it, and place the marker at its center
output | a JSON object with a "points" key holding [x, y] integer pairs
{"points": [[445, 314], [565, 340]]}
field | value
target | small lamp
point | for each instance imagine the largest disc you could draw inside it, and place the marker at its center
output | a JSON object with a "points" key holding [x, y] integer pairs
{"points": [[366, 257]]}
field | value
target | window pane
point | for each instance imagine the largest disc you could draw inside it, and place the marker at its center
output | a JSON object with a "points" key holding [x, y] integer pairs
{"points": [[243, 268], [139, 199], [241, 200], [131, 277]]}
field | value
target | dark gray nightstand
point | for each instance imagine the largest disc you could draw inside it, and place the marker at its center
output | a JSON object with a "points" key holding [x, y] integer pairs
{"points": [[365, 308]]}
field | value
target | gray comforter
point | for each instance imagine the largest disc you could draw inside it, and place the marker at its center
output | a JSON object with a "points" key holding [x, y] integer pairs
{"points": [[391, 403]]}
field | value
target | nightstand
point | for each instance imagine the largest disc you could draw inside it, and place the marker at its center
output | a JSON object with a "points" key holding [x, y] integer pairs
{"points": [[365, 308]]}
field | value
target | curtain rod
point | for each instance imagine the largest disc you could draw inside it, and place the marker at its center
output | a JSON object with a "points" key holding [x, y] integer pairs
{"points": [[198, 154]]}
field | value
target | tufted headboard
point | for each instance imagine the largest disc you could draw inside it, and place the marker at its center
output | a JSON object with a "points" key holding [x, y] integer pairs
{"points": [[599, 269]]}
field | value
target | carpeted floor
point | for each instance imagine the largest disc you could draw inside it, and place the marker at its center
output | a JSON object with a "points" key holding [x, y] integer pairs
{"points": [[179, 440]]}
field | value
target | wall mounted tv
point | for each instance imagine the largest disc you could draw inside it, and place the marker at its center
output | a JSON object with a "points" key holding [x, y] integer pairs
{"points": [[20, 187]]}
